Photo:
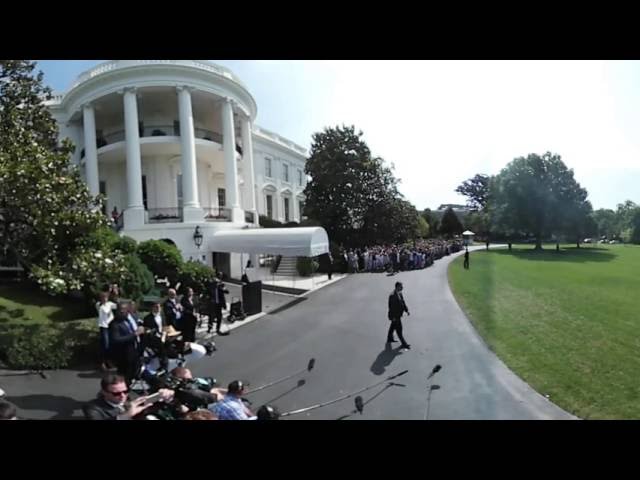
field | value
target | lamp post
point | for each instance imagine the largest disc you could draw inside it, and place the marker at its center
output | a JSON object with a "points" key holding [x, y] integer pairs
{"points": [[197, 237]]}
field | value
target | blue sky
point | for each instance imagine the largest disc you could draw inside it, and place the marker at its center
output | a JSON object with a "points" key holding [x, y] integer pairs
{"points": [[440, 122]]}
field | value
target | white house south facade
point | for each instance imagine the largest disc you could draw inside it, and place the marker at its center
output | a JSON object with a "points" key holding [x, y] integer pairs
{"points": [[173, 146]]}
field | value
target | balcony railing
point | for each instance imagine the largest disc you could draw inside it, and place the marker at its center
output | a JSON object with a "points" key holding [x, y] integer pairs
{"points": [[249, 217], [208, 135], [217, 214], [164, 215], [162, 131], [117, 64]]}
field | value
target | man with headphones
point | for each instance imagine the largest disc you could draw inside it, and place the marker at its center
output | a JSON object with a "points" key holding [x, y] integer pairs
{"points": [[232, 407]]}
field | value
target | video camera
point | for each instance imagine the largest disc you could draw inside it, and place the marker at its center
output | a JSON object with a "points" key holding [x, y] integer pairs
{"points": [[192, 393]]}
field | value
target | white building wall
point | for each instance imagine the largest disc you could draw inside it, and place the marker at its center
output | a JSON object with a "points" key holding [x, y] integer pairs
{"points": [[114, 176], [280, 156]]}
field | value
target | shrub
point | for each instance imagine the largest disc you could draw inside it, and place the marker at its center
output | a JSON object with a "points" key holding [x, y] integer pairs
{"points": [[138, 280], [306, 266], [50, 346], [126, 245], [267, 222], [37, 347], [195, 275], [162, 259]]}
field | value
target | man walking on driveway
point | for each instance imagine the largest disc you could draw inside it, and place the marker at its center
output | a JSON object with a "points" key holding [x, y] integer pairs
{"points": [[396, 309], [466, 259]]}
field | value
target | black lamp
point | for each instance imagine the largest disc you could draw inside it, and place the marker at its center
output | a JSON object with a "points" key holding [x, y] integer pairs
{"points": [[197, 237]]}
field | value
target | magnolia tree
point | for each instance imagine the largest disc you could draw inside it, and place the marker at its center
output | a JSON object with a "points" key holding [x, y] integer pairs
{"points": [[46, 211]]}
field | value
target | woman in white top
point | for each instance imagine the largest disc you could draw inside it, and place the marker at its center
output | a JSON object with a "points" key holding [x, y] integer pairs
{"points": [[105, 315]]}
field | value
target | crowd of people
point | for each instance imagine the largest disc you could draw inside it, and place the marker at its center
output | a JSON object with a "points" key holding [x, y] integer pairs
{"points": [[152, 352], [397, 258]]}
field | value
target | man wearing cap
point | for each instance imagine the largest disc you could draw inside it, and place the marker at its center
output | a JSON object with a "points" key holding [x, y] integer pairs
{"points": [[397, 307], [231, 407]]}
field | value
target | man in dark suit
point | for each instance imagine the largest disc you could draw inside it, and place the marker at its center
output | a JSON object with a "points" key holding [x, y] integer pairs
{"points": [[218, 303], [466, 259], [189, 321], [124, 341], [110, 404], [173, 310], [397, 307], [154, 321]]}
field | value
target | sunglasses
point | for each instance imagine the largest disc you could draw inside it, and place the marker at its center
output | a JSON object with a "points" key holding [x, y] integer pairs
{"points": [[121, 392]]}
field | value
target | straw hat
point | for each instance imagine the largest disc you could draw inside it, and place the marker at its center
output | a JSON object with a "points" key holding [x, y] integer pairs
{"points": [[170, 331]]}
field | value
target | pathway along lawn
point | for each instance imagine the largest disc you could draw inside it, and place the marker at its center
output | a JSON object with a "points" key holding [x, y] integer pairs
{"points": [[566, 322]]}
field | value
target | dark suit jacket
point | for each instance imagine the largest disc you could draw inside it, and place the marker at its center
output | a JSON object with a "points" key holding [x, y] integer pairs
{"points": [[150, 323], [187, 305], [99, 409], [122, 342], [170, 312], [221, 299], [396, 306]]}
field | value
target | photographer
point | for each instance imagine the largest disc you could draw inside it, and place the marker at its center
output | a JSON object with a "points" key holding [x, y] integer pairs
{"points": [[190, 394], [205, 384], [168, 349], [111, 402]]}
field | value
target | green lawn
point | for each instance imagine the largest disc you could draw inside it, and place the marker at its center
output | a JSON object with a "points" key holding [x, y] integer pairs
{"points": [[24, 310], [28, 305], [568, 323]]}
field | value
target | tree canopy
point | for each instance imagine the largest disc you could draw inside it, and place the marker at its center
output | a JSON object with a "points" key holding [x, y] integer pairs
{"points": [[353, 194], [46, 211]]}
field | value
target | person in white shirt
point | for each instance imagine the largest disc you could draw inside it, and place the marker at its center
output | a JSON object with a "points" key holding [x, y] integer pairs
{"points": [[105, 316]]}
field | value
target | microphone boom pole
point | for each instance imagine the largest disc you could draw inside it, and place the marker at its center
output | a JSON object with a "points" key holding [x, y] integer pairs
{"points": [[308, 368], [343, 397]]}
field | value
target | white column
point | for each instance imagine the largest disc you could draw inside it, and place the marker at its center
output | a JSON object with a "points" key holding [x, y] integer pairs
{"points": [[279, 201], [230, 162], [191, 211], [247, 158], [134, 214], [294, 208], [90, 149]]}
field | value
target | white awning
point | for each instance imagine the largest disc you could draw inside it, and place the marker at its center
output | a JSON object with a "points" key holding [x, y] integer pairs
{"points": [[468, 232], [289, 242]]}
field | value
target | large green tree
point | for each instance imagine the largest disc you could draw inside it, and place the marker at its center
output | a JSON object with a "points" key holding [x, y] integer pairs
{"points": [[606, 221], [635, 226], [433, 221], [46, 211], [450, 224], [353, 194], [538, 194], [476, 189]]}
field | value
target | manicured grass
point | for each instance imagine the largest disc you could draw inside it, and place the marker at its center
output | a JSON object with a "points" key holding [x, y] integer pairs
{"points": [[25, 310], [27, 305], [566, 322]]}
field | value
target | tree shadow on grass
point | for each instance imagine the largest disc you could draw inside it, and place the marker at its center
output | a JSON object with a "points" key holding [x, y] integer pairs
{"points": [[572, 255]]}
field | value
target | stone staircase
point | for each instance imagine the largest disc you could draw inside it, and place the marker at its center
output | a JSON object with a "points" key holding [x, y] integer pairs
{"points": [[287, 267]]}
